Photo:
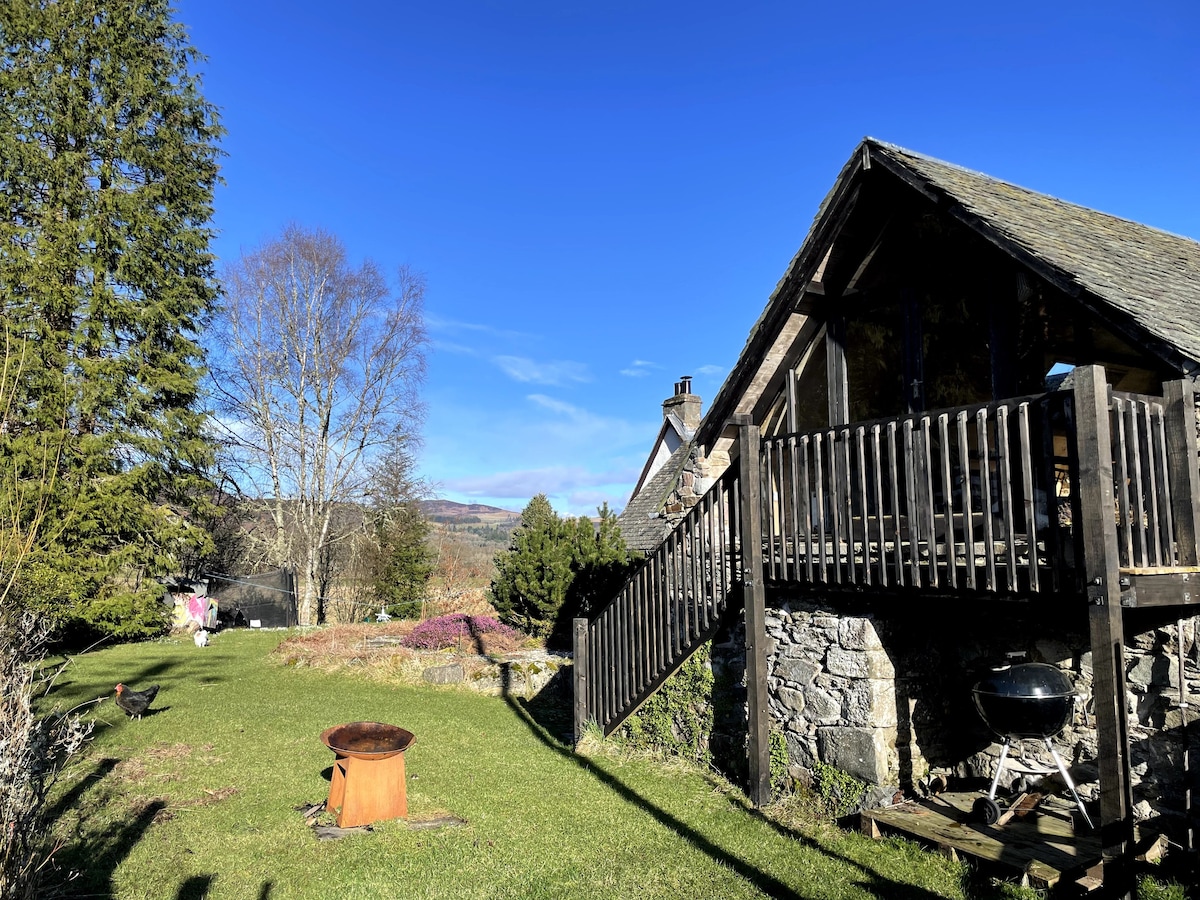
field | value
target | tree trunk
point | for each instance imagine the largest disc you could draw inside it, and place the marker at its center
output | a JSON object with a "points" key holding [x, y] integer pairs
{"points": [[308, 601]]}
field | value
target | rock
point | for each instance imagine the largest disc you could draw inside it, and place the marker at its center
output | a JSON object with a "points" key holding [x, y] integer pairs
{"points": [[451, 674], [821, 707], [791, 699], [870, 702], [858, 634], [797, 671], [861, 752], [859, 663]]}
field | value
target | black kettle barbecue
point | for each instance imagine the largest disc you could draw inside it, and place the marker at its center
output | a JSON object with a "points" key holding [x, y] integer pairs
{"points": [[1027, 701]]}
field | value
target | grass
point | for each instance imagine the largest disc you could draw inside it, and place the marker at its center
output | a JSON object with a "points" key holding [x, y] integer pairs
{"points": [[198, 799]]}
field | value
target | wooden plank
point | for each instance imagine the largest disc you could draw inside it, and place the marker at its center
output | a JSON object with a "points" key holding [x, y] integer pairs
{"points": [[1005, 484], [897, 530], [579, 638], [1121, 462], [1026, 462], [947, 498], [1045, 847], [819, 480], [914, 510], [877, 469], [771, 507], [834, 495], [1102, 577], [695, 549], [835, 370], [637, 635], [806, 513], [1137, 490], [846, 496], [624, 692], [861, 470], [757, 713], [1165, 506], [657, 584], [1183, 472], [985, 496], [1149, 465], [964, 464], [1159, 588], [925, 494], [794, 486]]}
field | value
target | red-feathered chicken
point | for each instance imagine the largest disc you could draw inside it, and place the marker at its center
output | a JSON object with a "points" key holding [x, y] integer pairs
{"points": [[135, 702]]}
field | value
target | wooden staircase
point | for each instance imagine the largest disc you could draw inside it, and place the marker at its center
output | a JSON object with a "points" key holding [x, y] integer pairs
{"points": [[670, 605]]}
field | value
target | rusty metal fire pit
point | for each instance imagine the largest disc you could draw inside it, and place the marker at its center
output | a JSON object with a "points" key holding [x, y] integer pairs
{"points": [[368, 772]]}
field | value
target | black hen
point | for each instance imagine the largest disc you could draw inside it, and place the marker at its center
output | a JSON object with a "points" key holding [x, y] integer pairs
{"points": [[135, 702]]}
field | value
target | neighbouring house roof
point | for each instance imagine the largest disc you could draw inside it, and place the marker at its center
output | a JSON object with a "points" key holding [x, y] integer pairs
{"points": [[642, 524], [672, 434]]}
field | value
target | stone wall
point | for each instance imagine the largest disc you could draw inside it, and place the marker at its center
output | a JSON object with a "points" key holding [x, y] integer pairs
{"points": [[883, 692]]}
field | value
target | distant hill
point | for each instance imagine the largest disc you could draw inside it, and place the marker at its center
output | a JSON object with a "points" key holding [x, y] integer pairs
{"points": [[448, 511]]}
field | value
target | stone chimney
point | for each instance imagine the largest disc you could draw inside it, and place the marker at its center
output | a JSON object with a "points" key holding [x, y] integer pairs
{"points": [[685, 405]]}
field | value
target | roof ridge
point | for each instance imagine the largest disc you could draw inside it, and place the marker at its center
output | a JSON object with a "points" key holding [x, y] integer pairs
{"points": [[896, 149]]}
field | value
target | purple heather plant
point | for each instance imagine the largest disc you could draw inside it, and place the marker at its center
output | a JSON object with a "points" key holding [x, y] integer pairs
{"points": [[455, 630]]}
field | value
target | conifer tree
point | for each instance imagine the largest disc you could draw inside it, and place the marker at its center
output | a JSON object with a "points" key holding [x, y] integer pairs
{"points": [[108, 161], [557, 569], [405, 560], [533, 575]]}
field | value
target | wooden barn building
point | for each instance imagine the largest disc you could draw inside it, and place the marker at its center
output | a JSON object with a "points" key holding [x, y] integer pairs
{"points": [[961, 435]]}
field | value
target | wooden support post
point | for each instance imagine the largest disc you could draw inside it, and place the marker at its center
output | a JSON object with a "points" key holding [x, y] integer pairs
{"points": [[1183, 470], [835, 370], [1102, 574], [580, 657], [754, 594]]}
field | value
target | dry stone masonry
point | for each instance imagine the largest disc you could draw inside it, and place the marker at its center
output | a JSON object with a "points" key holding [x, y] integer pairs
{"points": [[886, 696]]}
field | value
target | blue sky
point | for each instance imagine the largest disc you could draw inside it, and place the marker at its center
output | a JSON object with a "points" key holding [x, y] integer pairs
{"points": [[603, 195]]}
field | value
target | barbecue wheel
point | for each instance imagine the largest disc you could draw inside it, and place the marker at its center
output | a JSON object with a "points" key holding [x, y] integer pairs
{"points": [[987, 810]]}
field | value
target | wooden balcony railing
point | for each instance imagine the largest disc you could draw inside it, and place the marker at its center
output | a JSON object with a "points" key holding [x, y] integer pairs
{"points": [[977, 500], [961, 499]]}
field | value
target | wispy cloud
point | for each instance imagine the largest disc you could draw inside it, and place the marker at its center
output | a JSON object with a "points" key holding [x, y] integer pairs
{"points": [[710, 370], [436, 323], [639, 368], [529, 371], [451, 347]]}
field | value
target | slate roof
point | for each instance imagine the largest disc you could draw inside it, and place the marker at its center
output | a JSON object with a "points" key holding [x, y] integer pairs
{"points": [[642, 525], [1151, 276]]}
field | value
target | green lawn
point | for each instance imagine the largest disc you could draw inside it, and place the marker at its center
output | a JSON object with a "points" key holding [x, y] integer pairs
{"points": [[198, 799]]}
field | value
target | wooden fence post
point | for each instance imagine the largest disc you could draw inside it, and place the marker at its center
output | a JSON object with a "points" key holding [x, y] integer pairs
{"points": [[1184, 468], [754, 594], [579, 655], [1097, 505]]}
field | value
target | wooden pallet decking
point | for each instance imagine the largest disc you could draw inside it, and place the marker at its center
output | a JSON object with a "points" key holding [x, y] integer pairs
{"points": [[1042, 846]]}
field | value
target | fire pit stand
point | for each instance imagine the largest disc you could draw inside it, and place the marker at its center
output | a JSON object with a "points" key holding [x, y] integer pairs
{"points": [[368, 772]]}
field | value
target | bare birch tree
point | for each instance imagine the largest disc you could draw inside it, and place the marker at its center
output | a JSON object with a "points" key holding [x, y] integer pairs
{"points": [[318, 371]]}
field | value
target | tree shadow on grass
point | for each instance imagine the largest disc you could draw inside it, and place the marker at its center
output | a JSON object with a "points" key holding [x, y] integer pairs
{"points": [[90, 861], [543, 718]]}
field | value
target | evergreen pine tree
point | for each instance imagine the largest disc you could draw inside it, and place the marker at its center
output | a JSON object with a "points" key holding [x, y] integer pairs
{"points": [[405, 560], [532, 577], [108, 162], [557, 569]]}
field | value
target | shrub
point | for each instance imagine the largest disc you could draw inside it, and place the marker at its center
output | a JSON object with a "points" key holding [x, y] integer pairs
{"points": [[458, 630]]}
